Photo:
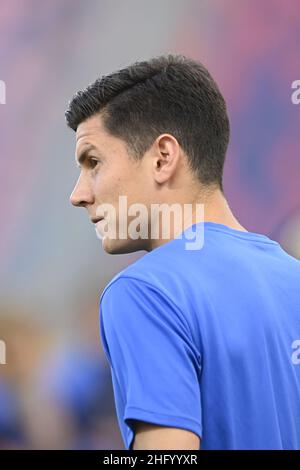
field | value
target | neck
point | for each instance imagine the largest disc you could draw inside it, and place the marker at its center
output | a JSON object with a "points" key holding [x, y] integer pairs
{"points": [[206, 206]]}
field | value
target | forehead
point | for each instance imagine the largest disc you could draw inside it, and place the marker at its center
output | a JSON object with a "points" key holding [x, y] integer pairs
{"points": [[90, 131]]}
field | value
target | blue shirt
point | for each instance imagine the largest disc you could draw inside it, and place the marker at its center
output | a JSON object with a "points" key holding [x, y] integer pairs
{"points": [[208, 340]]}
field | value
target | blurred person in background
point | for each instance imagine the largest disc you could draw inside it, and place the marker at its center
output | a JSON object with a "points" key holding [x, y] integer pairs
{"points": [[25, 342], [11, 429], [76, 381], [55, 391]]}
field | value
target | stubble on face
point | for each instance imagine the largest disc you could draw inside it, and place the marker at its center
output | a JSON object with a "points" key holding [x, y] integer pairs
{"points": [[116, 174]]}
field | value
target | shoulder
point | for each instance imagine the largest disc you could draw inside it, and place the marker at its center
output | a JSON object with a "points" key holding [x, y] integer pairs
{"points": [[132, 302]]}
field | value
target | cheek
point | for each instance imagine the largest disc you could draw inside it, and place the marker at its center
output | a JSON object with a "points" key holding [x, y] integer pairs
{"points": [[108, 187], [120, 180]]}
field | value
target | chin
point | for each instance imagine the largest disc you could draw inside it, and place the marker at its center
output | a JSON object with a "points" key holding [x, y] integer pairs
{"points": [[120, 247]]}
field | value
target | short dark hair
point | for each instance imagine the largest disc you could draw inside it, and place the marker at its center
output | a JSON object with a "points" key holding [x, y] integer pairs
{"points": [[166, 94]]}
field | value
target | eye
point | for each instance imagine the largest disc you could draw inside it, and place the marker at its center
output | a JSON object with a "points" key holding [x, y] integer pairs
{"points": [[93, 162]]}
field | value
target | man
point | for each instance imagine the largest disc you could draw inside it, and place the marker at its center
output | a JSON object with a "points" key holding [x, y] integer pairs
{"points": [[203, 341]]}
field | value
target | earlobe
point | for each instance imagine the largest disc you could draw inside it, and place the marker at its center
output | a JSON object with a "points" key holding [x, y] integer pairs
{"points": [[165, 168]]}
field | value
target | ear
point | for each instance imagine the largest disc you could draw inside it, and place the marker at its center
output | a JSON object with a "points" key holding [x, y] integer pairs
{"points": [[167, 157]]}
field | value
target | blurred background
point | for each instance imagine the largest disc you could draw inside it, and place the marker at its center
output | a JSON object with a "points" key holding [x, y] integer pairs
{"points": [[55, 389]]}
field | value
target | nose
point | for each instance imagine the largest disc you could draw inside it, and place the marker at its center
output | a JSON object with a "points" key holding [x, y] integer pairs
{"points": [[82, 194]]}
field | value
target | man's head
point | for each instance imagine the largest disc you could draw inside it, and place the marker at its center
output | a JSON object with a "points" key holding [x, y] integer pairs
{"points": [[155, 132]]}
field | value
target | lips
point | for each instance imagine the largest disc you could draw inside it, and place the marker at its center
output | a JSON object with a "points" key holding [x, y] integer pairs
{"points": [[96, 219]]}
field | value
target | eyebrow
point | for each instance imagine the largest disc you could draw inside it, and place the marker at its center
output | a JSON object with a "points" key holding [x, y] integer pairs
{"points": [[84, 154]]}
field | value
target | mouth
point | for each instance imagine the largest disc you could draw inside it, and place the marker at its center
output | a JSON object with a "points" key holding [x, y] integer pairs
{"points": [[95, 220]]}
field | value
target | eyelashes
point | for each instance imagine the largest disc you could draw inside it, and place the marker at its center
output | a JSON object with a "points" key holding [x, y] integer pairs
{"points": [[93, 162], [90, 163]]}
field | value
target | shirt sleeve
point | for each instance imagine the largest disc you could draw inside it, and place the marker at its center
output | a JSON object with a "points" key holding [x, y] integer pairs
{"points": [[151, 352]]}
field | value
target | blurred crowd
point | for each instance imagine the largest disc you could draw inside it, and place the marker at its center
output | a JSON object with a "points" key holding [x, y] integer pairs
{"points": [[55, 389]]}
